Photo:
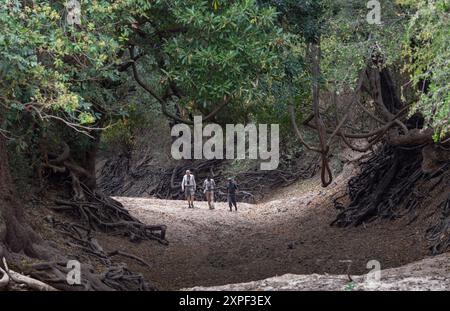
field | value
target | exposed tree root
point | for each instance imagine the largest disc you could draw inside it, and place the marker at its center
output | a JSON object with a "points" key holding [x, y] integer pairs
{"points": [[438, 235], [117, 277], [82, 238], [29, 255], [164, 183], [53, 275], [120, 278], [22, 279], [99, 212], [4, 279], [94, 211], [393, 183], [385, 182]]}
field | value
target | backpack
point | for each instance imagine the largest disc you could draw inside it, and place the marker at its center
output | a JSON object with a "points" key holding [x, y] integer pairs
{"points": [[209, 185]]}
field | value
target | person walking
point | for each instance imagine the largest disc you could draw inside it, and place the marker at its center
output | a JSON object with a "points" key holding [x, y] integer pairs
{"points": [[188, 186], [232, 189], [209, 185]]}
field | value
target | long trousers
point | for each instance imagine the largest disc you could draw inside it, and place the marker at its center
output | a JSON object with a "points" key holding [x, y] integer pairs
{"points": [[210, 198], [232, 201]]}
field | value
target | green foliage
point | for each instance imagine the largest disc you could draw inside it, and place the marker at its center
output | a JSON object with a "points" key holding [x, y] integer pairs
{"points": [[302, 17], [46, 64], [228, 52], [349, 39], [413, 34], [250, 51], [428, 51], [121, 136]]}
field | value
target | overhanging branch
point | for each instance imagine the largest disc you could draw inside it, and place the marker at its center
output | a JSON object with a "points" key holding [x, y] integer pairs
{"points": [[163, 103]]}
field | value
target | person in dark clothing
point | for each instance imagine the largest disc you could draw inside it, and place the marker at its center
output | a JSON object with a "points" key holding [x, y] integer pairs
{"points": [[232, 189]]}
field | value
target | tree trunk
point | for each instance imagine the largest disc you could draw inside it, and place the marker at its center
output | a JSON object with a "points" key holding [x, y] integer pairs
{"points": [[15, 235], [89, 161]]}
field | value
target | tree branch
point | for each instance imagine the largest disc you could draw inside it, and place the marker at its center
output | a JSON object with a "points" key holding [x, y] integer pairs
{"points": [[163, 103]]}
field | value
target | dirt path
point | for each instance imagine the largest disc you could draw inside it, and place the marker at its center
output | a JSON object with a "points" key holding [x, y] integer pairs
{"points": [[289, 234]]}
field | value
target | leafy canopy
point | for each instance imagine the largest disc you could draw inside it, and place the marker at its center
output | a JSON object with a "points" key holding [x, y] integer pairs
{"points": [[427, 50]]}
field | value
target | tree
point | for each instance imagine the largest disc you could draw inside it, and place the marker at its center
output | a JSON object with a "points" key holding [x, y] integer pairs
{"points": [[338, 35], [200, 59], [62, 80], [66, 81], [427, 51]]}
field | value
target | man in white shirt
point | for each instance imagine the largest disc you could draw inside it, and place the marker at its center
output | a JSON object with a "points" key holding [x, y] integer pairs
{"points": [[188, 186]]}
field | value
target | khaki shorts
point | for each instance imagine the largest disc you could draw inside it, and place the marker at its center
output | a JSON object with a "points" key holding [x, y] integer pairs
{"points": [[189, 191]]}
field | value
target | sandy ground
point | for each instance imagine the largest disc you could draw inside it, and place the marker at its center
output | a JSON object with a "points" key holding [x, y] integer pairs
{"points": [[288, 234], [425, 275]]}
